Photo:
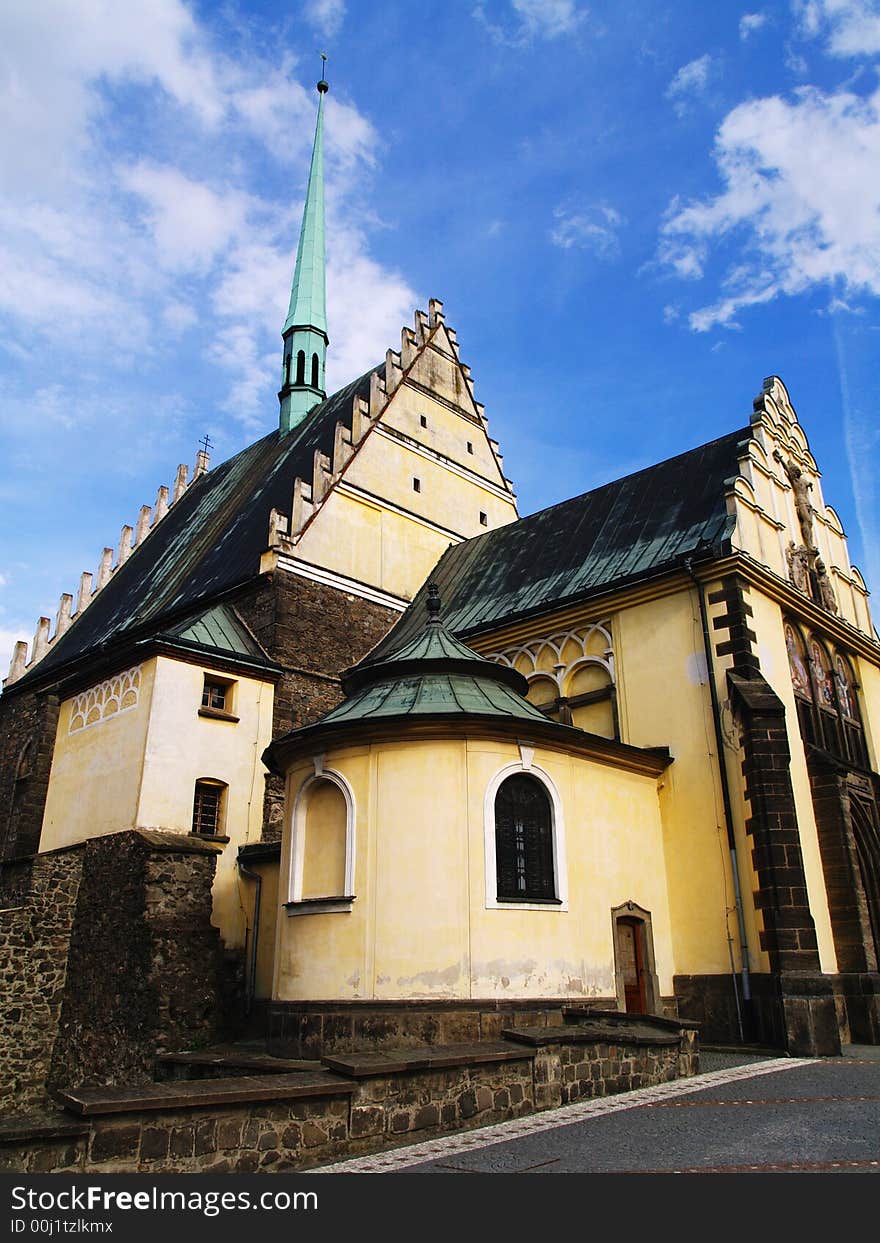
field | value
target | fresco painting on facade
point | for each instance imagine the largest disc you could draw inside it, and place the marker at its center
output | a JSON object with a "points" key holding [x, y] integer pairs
{"points": [[439, 766]]}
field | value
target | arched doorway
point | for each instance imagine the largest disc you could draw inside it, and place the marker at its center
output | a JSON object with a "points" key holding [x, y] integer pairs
{"points": [[634, 970]]}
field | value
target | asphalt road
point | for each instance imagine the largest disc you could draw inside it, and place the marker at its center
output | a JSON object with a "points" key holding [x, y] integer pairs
{"points": [[743, 1116]]}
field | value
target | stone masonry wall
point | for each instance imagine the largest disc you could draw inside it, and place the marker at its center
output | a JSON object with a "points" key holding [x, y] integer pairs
{"points": [[145, 964], [108, 954], [28, 721], [34, 939], [315, 632]]}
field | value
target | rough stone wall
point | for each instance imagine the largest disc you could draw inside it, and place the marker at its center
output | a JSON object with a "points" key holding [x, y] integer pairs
{"points": [[315, 632], [34, 939], [109, 954], [28, 721], [314, 1029]]}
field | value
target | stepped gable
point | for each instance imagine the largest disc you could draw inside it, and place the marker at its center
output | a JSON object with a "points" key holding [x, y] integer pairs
{"points": [[634, 528], [208, 542]]}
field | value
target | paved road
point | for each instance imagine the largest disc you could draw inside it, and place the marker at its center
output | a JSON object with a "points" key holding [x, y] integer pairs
{"points": [[756, 1116]]}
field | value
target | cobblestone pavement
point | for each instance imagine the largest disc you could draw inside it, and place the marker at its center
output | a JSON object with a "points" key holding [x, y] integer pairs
{"points": [[761, 1115]]}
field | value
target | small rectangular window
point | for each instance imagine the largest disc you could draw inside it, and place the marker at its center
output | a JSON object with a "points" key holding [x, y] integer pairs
{"points": [[214, 695], [484, 519], [470, 447], [417, 485], [423, 420]]}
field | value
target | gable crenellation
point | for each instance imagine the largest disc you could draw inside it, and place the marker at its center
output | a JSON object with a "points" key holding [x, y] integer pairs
{"points": [[110, 560], [403, 368], [782, 518]]}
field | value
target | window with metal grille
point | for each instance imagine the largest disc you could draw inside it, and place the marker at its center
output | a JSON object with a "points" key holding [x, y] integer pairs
{"points": [[524, 841], [207, 807]]}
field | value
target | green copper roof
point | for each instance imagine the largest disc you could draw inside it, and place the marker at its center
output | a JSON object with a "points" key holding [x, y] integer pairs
{"points": [[308, 294], [219, 628]]}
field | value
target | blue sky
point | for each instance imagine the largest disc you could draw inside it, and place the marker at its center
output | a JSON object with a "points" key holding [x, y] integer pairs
{"points": [[632, 214]]}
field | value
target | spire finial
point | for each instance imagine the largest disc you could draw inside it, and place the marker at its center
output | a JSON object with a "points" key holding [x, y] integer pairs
{"points": [[323, 85], [305, 329], [434, 603]]}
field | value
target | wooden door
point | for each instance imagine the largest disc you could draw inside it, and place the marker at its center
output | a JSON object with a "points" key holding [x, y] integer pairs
{"points": [[631, 943]]}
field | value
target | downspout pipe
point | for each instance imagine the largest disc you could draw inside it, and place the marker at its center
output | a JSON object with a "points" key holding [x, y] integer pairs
{"points": [[725, 796], [251, 982]]}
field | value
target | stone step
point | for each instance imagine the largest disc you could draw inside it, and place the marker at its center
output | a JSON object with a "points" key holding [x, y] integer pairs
{"points": [[226, 1061], [592, 1033], [428, 1057], [196, 1094]]}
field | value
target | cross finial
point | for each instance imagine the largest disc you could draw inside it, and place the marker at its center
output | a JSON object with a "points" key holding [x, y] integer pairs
{"points": [[207, 443]]}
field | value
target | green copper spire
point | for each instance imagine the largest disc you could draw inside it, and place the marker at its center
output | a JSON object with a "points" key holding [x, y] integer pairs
{"points": [[305, 329]]}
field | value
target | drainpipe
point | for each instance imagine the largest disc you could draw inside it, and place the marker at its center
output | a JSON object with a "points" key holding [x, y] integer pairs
{"points": [[728, 815], [251, 983]]}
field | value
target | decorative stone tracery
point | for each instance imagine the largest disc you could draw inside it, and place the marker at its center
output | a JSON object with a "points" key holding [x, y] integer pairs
{"points": [[570, 675], [105, 700]]}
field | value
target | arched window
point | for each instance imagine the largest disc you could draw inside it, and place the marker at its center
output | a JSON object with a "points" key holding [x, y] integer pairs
{"points": [[847, 698], [801, 683], [315, 371], [322, 850], [301, 367], [524, 841], [826, 698], [209, 807]]}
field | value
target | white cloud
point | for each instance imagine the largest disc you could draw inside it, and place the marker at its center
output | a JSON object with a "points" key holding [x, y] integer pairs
{"points": [[850, 27], [801, 202], [326, 16], [120, 250], [594, 227], [690, 81], [536, 19], [191, 223], [749, 23]]}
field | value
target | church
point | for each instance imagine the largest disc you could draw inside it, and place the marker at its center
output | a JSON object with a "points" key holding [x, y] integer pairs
{"points": [[446, 761]]}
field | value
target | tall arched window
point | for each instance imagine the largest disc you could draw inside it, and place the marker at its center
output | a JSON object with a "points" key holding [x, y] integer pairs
{"points": [[524, 841], [847, 697], [801, 682], [301, 367], [314, 371], [826, 697]]}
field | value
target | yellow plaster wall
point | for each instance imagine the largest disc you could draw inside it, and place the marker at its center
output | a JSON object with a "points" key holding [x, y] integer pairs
{"points": [[420, 926], [664, 700], [359, 531], [227, 751], [269, 871], [96, 772], [365, 541], [447, 432]]}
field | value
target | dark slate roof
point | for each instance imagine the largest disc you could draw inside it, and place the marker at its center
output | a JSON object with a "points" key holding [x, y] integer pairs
{"points": [[634, 528], [209, 541]]}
